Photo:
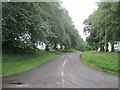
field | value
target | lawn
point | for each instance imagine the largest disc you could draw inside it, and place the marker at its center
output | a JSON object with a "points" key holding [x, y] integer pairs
{"points": [[107, 62], [13, 64]]}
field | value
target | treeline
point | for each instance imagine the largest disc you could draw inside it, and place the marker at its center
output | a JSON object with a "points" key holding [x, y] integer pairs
{"points": [[26, 25], [103, 25]]}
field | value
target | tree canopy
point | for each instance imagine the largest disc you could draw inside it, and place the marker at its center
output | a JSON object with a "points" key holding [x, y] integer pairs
{"points": [[103, 26], [27, 24]]}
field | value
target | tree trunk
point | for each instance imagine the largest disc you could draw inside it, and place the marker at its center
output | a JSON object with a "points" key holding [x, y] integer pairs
{"points": [[47, 48], [55, 47], [61, 46], [107, 47], [102, 48], [112, 47], [96, 47]]}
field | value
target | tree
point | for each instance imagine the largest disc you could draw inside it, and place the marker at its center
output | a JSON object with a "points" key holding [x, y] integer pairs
{"points": [[103, 26], [26, 24]]}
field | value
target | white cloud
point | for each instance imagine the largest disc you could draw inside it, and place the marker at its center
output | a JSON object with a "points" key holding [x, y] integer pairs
{"points": [[79, 10]]}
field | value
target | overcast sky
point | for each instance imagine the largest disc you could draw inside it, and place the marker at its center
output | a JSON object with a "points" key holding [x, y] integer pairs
{"points": [[79, 10]]}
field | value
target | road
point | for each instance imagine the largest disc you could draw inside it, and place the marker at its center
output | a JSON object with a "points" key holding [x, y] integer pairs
{"points": [[67, 71]]}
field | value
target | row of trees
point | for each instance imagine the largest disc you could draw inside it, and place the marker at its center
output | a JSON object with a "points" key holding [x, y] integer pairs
{"points": [[103, 26], [26, 24]]}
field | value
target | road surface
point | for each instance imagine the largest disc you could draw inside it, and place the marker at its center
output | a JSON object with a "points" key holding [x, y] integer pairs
{"points": [[67, 71]]}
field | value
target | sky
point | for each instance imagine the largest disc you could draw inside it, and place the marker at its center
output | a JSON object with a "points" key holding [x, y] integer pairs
{"points": [[79, 10]]}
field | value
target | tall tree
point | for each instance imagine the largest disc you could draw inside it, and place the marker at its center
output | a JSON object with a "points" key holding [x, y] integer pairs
{"points": [[104, 24]]}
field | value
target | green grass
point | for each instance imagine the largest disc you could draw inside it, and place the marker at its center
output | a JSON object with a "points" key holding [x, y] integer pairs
{"points": [[107, 62], [14, 64]]}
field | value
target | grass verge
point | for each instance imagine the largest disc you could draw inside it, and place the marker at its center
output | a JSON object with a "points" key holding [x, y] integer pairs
{"points": [[14, 64], [107, 62]]}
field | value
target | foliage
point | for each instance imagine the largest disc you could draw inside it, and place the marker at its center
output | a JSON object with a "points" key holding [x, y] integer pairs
{"points": [[13, 64], [26, 24], [103, 25], [107, 62]]}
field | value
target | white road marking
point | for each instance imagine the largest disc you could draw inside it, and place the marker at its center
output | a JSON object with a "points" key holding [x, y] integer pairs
{"points": [[70, 56], [65, 59], [21, 85], [64, 62], [62, 74]]}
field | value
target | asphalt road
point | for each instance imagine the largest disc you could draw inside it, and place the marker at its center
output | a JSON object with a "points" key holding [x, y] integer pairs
{"points": [[67, 71]]}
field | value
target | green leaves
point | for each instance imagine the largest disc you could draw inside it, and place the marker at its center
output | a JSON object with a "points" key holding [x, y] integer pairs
{"points": [[26, 24], [104, 23]]}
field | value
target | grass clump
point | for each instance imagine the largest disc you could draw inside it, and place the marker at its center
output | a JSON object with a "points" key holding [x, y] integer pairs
{"points": [[104, 61]]}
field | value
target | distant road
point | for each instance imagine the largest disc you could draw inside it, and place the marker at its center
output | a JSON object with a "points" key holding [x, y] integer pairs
{"points": [[67, 71]]}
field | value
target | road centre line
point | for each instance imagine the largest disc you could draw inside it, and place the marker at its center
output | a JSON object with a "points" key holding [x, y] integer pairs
{"points": [[64, 62], [62, 74], [70, 56]]}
